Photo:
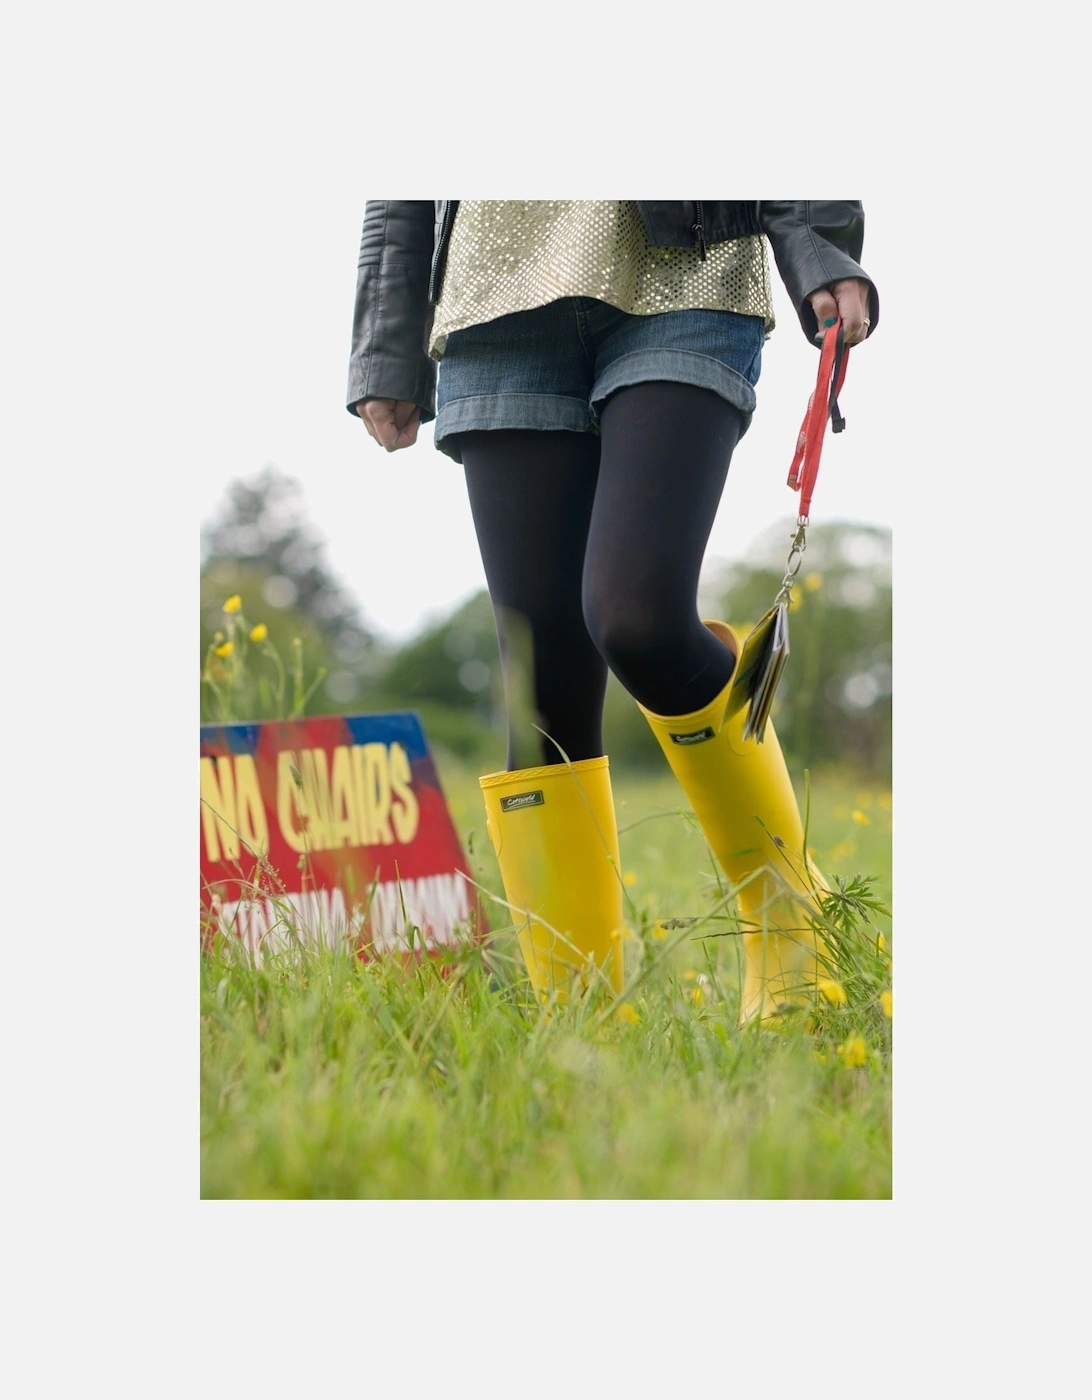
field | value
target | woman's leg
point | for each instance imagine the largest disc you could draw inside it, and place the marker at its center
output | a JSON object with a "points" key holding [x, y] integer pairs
{"points": [[665, 450], [665, 454], [552, 824], [531, 496]]}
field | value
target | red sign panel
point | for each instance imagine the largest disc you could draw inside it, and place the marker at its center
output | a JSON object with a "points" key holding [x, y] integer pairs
{"points": [[329, 830]]}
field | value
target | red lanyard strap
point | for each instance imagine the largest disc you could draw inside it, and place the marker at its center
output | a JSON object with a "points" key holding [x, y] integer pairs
{"points": [[822, 404]]}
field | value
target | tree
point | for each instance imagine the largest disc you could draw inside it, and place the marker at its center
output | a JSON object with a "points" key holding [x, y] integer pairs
{"points": [[834, 701], [454, 662], [262, 548]]}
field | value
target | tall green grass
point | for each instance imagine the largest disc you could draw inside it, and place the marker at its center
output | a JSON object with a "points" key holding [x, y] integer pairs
{"points": [[323, 1076]]}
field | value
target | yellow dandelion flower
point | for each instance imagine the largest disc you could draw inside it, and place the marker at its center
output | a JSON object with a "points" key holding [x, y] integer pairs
{"points": [[795, 600], [627, 1013], [861, 818], [881, 943], [629, 878], [884, 800], [658, 930], [259, 632], [813, 582], [832, 991], [885, 1002], [233, 604], [697, 996], [854, 1052], [224, 649]]}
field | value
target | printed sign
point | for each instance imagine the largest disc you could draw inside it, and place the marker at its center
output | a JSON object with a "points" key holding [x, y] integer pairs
{"points": [[330, 829]]}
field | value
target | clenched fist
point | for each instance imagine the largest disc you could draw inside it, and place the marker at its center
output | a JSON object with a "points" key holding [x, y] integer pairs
{"points": [[848, 300], [392, 422]]}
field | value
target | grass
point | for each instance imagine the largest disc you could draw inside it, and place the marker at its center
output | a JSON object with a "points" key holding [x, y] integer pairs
{"points": [[326, 1077]]}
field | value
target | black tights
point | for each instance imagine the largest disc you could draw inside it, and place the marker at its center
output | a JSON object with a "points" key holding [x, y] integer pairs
{"points": [[592, 547]]}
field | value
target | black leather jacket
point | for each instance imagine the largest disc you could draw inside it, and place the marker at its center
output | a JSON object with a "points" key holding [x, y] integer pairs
{"points": [[403, 250]]}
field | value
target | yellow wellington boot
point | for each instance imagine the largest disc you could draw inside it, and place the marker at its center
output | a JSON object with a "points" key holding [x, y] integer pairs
{"points": [[742, 796], [554, 831]]}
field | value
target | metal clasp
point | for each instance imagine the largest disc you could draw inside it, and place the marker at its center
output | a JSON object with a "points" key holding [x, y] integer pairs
{"points": [[793, 562]]}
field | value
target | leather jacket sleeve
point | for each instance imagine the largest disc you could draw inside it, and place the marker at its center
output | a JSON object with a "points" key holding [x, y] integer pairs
{"points": [[816, 242], [392, 318]]}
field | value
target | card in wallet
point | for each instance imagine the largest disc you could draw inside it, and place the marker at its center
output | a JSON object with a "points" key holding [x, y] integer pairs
{"points": [[761, 662]]}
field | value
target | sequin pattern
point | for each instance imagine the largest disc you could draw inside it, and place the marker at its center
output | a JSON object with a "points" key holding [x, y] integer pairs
{"points": [[511, 255]]}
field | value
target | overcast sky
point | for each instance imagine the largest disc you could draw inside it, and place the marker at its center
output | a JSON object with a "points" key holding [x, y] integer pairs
{"points": [[397, 526]]}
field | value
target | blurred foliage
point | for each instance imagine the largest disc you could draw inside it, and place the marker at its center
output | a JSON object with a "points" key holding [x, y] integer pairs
{"points": [[262, 549], [833, 707], [453, 662], [834, 701]]}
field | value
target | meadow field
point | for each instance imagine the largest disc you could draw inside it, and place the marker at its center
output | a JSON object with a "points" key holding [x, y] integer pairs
{"points": [[326, 1077]]}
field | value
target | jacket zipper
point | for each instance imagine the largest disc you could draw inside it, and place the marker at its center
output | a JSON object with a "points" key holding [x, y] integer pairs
{"points": [[439, 257], [698, 229]]}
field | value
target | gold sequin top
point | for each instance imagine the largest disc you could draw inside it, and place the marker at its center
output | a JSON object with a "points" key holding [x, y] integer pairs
{"points": [[510, 255]]}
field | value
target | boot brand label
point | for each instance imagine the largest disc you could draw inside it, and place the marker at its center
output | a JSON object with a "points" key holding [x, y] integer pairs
{"points": [[522, 799], [699, 736]]}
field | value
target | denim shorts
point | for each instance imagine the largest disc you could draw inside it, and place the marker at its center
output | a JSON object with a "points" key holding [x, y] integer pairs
{"points": [[554, 367]]}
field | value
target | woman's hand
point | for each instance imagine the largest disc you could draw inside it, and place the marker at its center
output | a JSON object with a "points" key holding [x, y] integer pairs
{"points": [[392, 422], [849, 300]]}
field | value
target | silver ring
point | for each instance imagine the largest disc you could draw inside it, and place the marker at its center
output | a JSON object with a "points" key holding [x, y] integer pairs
{"points": [[866, 322]]}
